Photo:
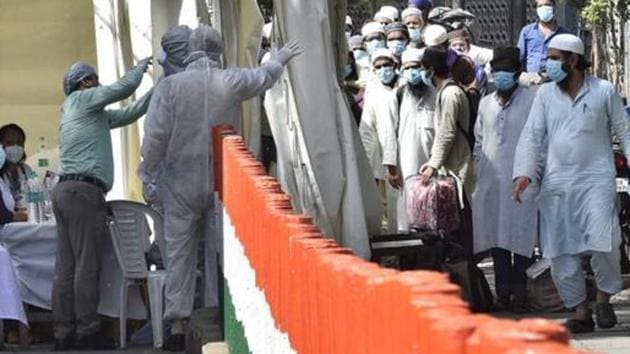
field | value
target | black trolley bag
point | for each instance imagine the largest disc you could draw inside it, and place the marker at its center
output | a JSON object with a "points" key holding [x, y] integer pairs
{"points": [[430, 250]]}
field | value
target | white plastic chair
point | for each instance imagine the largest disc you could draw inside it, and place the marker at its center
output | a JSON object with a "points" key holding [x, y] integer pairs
{"points": [[130, 238]]}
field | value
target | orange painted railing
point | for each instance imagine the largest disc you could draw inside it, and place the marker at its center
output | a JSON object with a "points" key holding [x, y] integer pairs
{"points": [[329, 301]]}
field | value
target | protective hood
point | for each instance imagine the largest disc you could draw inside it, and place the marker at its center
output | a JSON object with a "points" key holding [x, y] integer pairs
{"points": [[207, 40], [74, 75], [175, 49]]}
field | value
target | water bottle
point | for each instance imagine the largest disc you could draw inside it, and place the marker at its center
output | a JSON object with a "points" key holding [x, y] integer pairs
{"points": [[48, 210], [34, 199]]}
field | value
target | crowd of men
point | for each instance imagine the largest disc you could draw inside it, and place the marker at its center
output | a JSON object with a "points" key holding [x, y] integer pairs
{"points": [[525, 130]]}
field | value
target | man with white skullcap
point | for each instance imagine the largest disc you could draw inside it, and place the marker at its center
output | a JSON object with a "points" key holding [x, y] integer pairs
{"points": [[415, 21], [387, 15], [436, 35], [570, 125], [379, 114], [373, 36], [414, 129]]}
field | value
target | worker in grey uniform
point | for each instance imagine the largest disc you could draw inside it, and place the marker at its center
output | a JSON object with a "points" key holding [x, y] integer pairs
{"points": [[177, 140]]}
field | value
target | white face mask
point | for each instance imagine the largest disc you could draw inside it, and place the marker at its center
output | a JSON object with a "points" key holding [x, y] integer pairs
{"points": [[15, 153]]}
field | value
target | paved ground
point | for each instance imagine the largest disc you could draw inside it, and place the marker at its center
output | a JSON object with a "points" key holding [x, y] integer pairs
{"points": [[612, 341]]}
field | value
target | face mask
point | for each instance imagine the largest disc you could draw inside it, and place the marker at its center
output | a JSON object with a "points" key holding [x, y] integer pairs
{"points": [[348, 35], [386, 74], [347, 70], [374, 45], [413, 76], [415, 34], [14, 153], [360, 55], [3, 157], [504, 80], [545, 13], [426, 78], [397, 47], [555, 71]]}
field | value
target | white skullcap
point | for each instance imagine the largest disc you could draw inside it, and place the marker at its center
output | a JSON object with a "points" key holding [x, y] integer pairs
{"points": [[372, 27], [267, 30], [390, 12], [567, 43], [411, 11], [435, 35], [382, 53], [412, 54], [349, 21]]}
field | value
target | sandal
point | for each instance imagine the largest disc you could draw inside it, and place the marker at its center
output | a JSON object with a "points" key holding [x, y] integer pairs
{"points": [[605, 315], [580, 326]]}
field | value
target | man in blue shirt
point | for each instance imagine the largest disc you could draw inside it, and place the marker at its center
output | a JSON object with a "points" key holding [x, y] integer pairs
{"points": [[86, 175], [535, 37]]}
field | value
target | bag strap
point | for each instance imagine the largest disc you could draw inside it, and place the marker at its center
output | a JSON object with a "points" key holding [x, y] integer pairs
{"points": [[459, 126]]}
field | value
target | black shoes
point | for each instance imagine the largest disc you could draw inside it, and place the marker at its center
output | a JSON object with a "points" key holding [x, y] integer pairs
{"points": [[95, 341], [502, 304], [517, 305], [175, 343], [65, 344], [605, 315], [576, 326]]}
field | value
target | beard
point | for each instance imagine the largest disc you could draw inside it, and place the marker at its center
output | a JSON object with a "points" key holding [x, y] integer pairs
{"points": [[564, 84], [418, 90]]}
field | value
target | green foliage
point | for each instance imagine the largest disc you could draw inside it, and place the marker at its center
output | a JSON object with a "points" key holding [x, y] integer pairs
{"points": [[596, 12]]}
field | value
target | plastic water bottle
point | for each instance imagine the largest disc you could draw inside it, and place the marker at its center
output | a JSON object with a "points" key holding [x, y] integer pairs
{"points": [[47, 202], [35, 198]]}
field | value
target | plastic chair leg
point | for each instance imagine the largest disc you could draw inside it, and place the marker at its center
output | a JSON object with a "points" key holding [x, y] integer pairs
{"points": [[156, 303], [123, 315]]}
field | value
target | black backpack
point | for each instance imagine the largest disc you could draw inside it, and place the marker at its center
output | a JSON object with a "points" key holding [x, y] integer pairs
{"points": [[473, 103]]}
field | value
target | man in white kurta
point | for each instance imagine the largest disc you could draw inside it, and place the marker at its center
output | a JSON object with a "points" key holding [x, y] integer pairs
{"points": [[414, 129], [506, 229], [570, 122], [378, 119]]}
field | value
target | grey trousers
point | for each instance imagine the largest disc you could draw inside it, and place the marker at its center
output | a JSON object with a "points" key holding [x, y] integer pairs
{"points": [[81, 214]]}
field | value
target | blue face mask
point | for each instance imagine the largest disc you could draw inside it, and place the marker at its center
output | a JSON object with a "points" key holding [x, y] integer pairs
{"points": [[397, 47], [504, 80], [415, 34], [413, 76], [545, 13], [347, 70], [554, 70], [386, 74], [426, 78], [361, 55], [374, 45]]}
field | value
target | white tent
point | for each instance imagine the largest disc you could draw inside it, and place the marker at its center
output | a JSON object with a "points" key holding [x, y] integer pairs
{"points": [[321, 162]]}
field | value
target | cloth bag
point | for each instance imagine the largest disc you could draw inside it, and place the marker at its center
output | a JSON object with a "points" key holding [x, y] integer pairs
{"points": [[435, 206]]}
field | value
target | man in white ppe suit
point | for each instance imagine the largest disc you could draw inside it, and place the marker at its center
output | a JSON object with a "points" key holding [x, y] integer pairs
{"points": [[570, 123], [414, 129], [377, 131], [177, 140], [499, 225]]}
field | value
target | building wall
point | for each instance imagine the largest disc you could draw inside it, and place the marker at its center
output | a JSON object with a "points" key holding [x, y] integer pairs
{"points": [[39, 40]]}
